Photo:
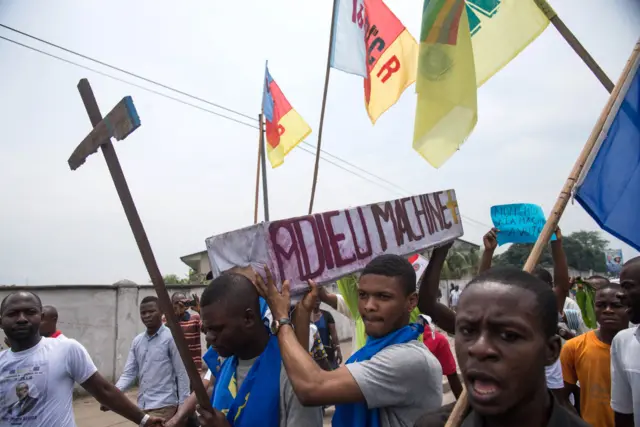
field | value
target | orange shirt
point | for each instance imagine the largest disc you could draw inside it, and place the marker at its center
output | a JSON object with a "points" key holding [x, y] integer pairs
{"points": [[587, 359]]}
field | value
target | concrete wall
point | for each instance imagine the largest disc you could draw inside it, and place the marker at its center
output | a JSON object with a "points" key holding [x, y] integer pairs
{"points": [[105, 318]]}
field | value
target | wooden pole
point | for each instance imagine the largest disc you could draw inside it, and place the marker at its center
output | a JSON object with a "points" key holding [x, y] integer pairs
{"points": [[255, 209], [324, 104], [575, 44], [110, 156], [263, 159], [460, 410]]}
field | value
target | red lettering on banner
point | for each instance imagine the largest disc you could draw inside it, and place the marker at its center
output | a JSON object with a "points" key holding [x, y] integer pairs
{"points": [[436, 213], [404, 226], [365, 232], [390, 67], [307, 274], [386, 215], [282, 254], [335, 239], [325, 242], [443, 208], [419, 213], [430, 221]]}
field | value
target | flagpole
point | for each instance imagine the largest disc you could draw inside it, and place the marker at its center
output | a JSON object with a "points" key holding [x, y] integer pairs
{"points": [[460, 410], [255, 209], [324, 104], [575, 44], [263, 159], [263, 154]]}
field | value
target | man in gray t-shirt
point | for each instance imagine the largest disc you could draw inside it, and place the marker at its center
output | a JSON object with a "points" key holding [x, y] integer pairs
{"points": [[393, 374], [404, 381]]}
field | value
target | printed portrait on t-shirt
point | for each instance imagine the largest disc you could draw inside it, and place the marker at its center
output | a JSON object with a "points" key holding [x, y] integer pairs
{"points": [[20, 391]]}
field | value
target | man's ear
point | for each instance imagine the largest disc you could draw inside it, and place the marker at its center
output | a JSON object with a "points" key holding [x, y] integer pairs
{"points": [[412, 301], [553, 350], [249, 318]]}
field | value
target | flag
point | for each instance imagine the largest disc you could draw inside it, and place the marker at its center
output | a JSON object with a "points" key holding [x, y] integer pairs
{"points": [[370, 41], [609, 186], [500, 30], [419, 264], [285, 128], [447, 108]]}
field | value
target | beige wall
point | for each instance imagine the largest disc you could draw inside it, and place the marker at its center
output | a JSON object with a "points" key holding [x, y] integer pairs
{"points": [[105, 318]]}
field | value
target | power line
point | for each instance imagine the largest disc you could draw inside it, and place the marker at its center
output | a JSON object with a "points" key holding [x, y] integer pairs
{"points": [[388, 185]]}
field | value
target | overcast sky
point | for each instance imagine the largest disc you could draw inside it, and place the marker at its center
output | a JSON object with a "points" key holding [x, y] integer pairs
{"points": [[192, 173]]}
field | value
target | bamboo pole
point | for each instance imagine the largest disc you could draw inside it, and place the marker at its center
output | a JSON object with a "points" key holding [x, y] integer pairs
{"points": [[575, 44], [255, 208], [324, 104], [460, 410]]}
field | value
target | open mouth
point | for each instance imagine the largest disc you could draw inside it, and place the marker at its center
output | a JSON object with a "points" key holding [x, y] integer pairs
{"points": [[483, 387]]}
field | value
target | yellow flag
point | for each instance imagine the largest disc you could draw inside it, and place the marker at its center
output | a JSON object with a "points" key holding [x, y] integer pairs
{"points": [[500, 30], [447, 109]]}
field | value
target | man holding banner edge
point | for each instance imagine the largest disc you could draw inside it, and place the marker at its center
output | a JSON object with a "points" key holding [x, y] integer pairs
{"points": [[391, 381]]}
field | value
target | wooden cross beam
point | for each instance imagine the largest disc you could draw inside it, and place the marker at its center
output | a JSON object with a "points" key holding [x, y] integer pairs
{"points": [[120, 123]]}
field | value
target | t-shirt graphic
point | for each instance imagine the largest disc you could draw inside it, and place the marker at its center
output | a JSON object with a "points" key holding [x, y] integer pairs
{"points": [[36, 385], [20, 391]]}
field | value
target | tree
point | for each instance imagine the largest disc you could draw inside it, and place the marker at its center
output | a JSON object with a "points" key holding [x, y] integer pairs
{"points": [[174, 279], [192, 278], [584, 249], [460, 264]]}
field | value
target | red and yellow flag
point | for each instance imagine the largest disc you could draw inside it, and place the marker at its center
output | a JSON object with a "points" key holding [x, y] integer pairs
{"points": [[285, 128], [370, 41], [392, 58]]}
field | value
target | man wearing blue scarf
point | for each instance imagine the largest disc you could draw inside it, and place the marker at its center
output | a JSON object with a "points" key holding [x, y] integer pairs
{"points": [[251, 387], [393, 379]]}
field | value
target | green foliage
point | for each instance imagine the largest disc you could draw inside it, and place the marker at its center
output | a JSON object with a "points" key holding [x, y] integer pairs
{"points": [[585, 297], [460, 263], [584, 249], [191, 278]]}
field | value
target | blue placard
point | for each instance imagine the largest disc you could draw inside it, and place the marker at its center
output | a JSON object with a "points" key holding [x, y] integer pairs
{"points": [[518, 222]]}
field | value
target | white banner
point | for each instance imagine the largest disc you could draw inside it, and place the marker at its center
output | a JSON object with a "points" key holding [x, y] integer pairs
{"points": [[330, 245], [348, 50]]}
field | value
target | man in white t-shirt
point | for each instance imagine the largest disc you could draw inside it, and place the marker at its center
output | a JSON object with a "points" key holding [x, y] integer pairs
{"points": [[37, 374], [625, 353], [455, 297], [393, 378]]}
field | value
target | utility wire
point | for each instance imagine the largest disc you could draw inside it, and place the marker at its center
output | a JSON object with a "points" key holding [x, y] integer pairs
{"points": [[388, 185]]}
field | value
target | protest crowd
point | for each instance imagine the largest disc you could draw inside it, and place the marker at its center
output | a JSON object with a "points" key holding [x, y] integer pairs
{"points": [[524, 355], [522, 358]]}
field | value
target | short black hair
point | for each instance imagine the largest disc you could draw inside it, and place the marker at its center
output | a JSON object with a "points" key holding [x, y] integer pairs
{"points": [[178, 294], [150, 298], [545, 298], [609, 285], [390, 265], [5, 299], [543, 274], [600, 280], [234, 290], [209, 276]]}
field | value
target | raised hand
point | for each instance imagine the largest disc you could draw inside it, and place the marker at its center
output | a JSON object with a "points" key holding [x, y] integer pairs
{"points": [[490, 240], [311, 298], [279, 302]]}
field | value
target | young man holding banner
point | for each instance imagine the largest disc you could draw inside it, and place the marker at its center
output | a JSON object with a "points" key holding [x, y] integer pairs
{"points": [[393, 379]]}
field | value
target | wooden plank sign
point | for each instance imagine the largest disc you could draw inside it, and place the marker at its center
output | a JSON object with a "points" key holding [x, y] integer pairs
{"points": [[330, 245], [118, 124]]}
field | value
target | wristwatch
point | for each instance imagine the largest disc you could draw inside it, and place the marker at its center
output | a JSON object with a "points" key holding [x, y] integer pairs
{"points": [[275, 326], [144, 420]]}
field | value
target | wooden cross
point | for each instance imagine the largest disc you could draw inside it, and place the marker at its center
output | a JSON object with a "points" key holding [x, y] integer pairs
{"points": [[119, 124]]}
